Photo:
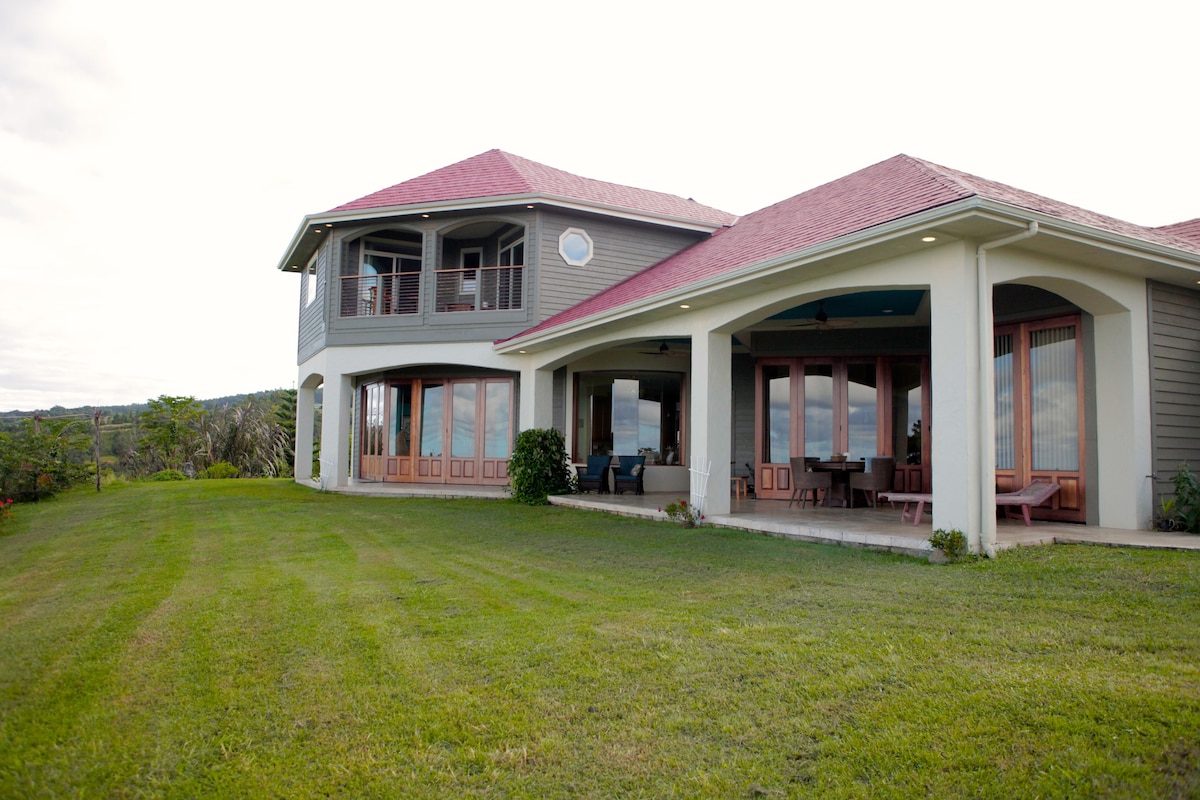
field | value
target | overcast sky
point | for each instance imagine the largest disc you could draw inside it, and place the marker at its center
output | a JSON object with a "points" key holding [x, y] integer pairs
{"points": [[156, 158]]}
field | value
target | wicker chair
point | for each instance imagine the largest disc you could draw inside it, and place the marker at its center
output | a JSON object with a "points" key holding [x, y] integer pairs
{"points": [[629, 474], [877, 478], [804, 481], [595, 475]]}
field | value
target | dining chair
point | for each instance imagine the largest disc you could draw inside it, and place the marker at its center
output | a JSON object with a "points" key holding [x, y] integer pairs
{"points": [[876, 478], [804, 481]]}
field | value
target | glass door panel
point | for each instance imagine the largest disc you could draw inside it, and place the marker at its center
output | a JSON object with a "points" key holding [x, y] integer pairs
{"points": [[862, 410], [1002, 366], [463, 420], [819, 434], [1054, 399], [906, 413], [497, 420], [432, 414], [777, 382], [400, 440]]}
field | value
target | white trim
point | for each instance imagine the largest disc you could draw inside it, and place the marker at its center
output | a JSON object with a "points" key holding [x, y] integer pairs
{"points": [[562, 247]]}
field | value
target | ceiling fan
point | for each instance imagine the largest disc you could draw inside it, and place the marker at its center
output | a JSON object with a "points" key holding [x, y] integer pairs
{"points": [[822, 322], [665, 350]]}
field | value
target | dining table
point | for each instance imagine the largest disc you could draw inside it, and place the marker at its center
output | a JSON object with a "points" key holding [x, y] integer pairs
{"points": [[839, 491]]}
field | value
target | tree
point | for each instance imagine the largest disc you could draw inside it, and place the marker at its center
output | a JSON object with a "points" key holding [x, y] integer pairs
{"points": [[44, 458], [171, 432]]}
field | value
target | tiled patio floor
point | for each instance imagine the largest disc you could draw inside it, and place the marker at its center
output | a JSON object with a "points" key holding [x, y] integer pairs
{"points": [[860, 527]]}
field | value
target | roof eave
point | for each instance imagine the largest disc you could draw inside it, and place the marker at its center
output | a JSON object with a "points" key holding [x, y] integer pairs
{"points": [[296, 253], [941, 215]]}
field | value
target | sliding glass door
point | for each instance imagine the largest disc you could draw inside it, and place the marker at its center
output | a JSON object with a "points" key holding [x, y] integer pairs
{"points": [[1038, 371], [821, 407]]}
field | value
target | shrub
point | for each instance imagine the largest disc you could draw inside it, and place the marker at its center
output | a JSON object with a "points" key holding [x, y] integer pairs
{"points": [[220, 470], [168, 475], [952, 543], [44, 458], [686, 515], [539, 468], [1187, 499]]}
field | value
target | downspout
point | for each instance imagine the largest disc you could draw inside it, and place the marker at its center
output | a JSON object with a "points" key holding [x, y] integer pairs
{"points": [[987, 406]]}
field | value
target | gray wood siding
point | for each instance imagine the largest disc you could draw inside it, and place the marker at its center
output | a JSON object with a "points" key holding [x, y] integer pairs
{"points": [[427, 326], [621, 248], [1175, 379], [311, 336], [743, 414]]}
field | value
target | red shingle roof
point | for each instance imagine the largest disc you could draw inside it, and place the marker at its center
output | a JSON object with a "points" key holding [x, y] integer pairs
{"points": [[499, 174], [1188, 230], [887, 191]]}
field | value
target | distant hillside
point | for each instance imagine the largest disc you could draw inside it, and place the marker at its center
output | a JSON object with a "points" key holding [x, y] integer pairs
{"points": [[128, 413]]}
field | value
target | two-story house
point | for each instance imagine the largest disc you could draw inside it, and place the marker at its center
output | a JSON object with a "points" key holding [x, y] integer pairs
{"points": [[445, 313]]}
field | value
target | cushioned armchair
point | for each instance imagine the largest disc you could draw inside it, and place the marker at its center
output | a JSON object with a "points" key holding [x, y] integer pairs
{"points": [[629, 474], [804, 482], [877, 478], [594, 477]]}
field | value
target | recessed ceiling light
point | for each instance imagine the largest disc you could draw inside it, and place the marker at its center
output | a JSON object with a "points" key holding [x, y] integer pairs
{"points": [[887, 311], [684, 305], [328, 224], [522, 351], [928, 238], [425, 216]]}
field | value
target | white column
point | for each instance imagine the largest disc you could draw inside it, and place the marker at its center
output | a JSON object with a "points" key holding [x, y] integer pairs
{"points": [[712, 415], [1125, 493], [305, 409], [956, 431], [335, 431], [537, 398]]}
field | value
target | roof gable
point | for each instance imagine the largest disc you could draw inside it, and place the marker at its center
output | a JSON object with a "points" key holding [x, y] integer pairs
{"points": [[496, 173]]}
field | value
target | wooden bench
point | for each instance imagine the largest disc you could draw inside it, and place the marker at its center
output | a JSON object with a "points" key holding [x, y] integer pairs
{"points": [[1032, 495], [920, 498]]}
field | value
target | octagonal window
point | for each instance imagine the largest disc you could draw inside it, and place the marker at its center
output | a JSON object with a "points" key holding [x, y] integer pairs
{"points": [[575, 246]]}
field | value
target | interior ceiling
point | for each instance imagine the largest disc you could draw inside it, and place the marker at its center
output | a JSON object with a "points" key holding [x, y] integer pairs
{"points": [[893, 303]]}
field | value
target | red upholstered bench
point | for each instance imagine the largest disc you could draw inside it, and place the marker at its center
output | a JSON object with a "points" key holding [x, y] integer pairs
{"points": [[908, 498]]}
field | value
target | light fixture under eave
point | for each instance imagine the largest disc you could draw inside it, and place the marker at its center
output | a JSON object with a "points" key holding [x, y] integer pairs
{"points": [[684, 305], [928, 238]]}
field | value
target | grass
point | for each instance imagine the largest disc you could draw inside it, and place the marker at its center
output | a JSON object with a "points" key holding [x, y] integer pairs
{"points": [[254, 638]]}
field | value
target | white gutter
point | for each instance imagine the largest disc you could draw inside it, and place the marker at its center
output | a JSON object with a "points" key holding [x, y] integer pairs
{"points": [[987, 400]]}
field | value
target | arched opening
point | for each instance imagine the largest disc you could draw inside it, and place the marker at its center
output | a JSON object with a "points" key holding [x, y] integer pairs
{"points": [[381, 274], [481, 267], [1040, 412]]}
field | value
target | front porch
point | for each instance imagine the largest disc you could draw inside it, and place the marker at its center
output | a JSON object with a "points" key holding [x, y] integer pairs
{"points": [[875, 528]]}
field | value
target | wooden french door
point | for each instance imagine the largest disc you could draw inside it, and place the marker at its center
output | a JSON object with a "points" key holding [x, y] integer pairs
{"points": [[864, 406], [453, 430], [1038, 368]]}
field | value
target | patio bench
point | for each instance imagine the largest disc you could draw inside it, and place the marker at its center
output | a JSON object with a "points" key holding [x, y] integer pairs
{"points": [[1032, 495], [920, 498]]}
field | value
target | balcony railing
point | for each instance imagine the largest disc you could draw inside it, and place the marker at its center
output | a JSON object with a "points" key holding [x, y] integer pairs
{"points": [[483, 289], [389, 293]]}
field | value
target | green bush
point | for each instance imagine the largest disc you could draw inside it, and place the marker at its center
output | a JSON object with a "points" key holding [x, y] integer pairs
{"points": [[44, 458], [1187, 499], [952, 543], [167, 475], [539, 468], [220, 470]]}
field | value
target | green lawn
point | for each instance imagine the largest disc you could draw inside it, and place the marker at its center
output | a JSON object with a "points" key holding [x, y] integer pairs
{"points": [[257, 639]]}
